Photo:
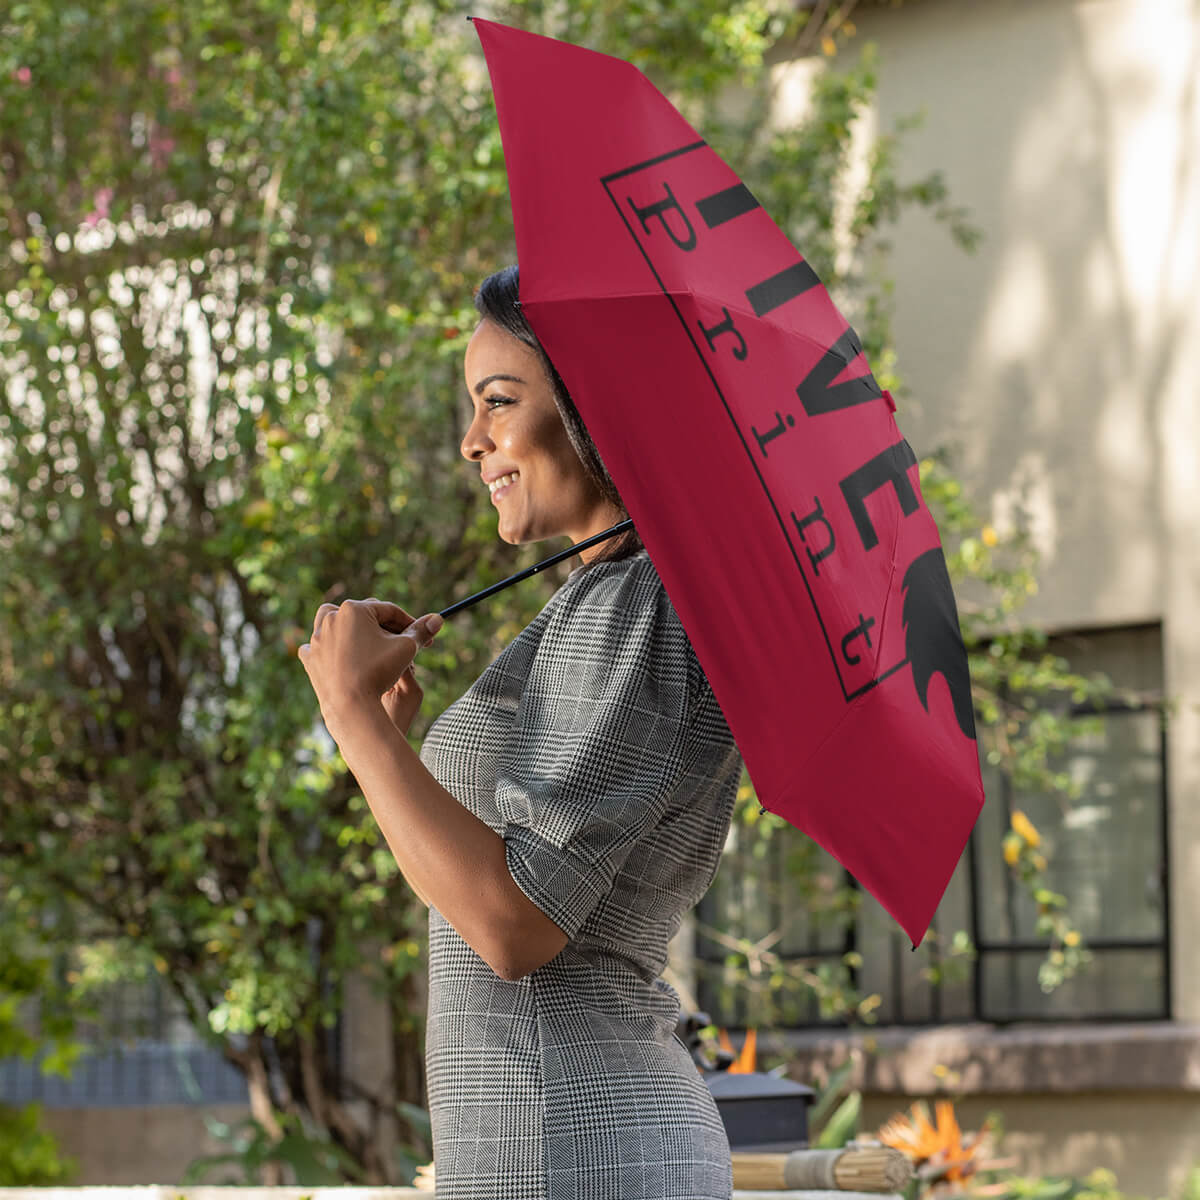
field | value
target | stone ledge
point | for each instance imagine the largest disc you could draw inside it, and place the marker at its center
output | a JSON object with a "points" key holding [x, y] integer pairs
{"points": [[1151, 1056], [208, 1192], [162, 1191]]}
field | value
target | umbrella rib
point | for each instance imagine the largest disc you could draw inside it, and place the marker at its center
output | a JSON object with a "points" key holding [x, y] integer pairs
{"points": [[887, 604]]}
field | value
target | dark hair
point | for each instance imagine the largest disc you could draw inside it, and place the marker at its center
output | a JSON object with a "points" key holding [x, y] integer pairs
{"points": [[498, 300]]}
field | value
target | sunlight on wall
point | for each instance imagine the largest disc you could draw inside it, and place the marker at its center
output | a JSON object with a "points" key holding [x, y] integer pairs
{"points": [[1020, 306], [1124, 444], [1146, 68], [791, 88]]}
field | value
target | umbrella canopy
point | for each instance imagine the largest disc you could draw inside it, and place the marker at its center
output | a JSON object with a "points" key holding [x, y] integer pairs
{"points": [[758, 458]]}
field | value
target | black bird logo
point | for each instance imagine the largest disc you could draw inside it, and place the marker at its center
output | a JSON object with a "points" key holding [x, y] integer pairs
{"points": [[933, 639]]}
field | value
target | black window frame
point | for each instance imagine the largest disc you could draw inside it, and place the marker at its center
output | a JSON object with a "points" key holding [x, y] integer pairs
{"points": [[709, 956]]}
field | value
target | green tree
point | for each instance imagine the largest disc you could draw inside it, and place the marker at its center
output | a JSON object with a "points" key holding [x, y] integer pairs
{"points": [[238, 246], [29, 1154], [237, 249]]}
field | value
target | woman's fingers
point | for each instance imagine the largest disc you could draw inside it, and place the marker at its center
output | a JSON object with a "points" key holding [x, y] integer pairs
{"points": [[322, 613], [406, 682], [364, 646], [390, 616], [402, 700], [425, 628], [394, 619]]}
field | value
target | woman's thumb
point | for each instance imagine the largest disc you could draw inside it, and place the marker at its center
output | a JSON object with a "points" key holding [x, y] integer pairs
{"points": [[423, 629]]}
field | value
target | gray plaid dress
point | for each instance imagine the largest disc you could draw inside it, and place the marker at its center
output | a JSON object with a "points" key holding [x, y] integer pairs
{"points": [[593, 745]]}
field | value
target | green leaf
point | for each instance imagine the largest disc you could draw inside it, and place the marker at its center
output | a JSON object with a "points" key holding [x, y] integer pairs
{"points": [[842, 1126], [833, 1087]]}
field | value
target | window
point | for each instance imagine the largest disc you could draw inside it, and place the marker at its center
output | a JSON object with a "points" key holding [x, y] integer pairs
{"points": [[1107, 852]]}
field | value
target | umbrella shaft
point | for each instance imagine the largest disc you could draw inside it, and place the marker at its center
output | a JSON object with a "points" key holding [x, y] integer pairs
{"points": [[458, 606]]}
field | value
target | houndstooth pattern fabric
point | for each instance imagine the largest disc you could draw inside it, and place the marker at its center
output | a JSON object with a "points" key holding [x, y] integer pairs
{"points": [[593, 745]]}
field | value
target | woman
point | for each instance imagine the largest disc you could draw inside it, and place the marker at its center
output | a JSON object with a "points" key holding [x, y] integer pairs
{"points": [[561, 818]]}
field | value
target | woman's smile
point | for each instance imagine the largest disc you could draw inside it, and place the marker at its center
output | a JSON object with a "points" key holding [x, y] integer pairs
{"points": [[502, 486]]}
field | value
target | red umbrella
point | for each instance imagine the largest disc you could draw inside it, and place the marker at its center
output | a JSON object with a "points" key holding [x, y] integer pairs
{"points": [[758, 458]]}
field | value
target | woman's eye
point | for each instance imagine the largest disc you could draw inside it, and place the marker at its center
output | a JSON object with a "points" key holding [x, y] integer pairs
{"points": [[495, 401]]}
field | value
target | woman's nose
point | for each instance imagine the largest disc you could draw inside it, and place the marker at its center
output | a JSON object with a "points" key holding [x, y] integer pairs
{"points": [[476, 442]]}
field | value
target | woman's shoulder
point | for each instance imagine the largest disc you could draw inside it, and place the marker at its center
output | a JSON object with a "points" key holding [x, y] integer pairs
{"points": [[631, 566], [621, 589], [623, 601]]}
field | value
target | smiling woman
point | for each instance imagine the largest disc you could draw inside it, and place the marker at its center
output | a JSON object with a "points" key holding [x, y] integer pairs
{"points": [[521, 445], [562, 817], [506, 368]]}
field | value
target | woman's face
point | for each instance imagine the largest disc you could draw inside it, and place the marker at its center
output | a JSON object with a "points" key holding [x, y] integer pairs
{"points": [[517, 437]]}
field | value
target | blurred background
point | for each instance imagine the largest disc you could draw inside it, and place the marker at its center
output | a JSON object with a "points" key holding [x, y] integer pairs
{"points": [[238, 246]]}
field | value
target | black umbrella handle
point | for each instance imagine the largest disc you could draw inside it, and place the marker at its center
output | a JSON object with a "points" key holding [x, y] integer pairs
{"points": [[621, 527]]}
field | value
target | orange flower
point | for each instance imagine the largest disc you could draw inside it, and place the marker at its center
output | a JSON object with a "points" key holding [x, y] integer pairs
{"points": [[743, 1064], [915, 1135], [939, 1146]]}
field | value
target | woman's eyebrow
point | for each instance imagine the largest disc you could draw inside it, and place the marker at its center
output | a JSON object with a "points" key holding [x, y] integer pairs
{"points": [[492, 379]]}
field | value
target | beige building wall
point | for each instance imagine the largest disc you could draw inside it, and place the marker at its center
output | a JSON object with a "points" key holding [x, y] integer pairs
{"points": [[1061, 362]]}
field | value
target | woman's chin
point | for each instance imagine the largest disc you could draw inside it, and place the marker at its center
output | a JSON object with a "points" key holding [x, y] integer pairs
{"points": [[523, 537], [514, 537]]}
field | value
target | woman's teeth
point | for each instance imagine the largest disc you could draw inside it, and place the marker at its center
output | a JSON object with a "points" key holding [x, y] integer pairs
{"points": [[503, 481]]}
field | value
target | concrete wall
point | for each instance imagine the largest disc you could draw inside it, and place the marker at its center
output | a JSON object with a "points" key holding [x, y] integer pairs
{"points": [[1071, 1097], [1150, 1141], [138, 1145]]}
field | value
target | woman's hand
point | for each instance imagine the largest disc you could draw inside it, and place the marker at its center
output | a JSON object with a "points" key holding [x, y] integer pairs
{"points": [[354, 658], [402, 701]]}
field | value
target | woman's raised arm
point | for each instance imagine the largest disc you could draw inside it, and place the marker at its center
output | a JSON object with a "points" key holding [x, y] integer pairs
{"points": [[451, 859]]}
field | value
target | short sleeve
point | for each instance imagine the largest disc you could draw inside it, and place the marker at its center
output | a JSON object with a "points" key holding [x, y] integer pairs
{"points": [[598, 745]]}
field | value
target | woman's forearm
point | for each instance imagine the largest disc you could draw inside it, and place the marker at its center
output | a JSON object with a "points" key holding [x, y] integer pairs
{"points": [[451, 858]]}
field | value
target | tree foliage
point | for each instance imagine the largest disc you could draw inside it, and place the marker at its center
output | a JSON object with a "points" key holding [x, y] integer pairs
{"points": [[29, 1155], [238, 244]]}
